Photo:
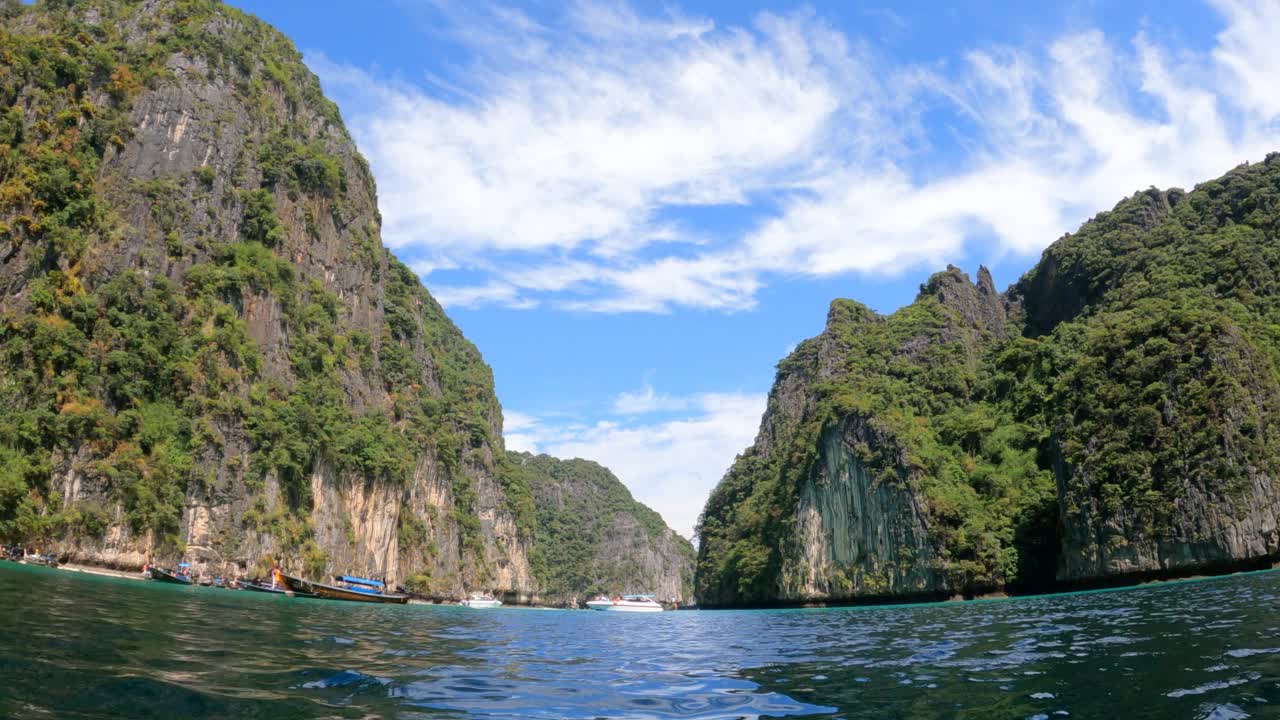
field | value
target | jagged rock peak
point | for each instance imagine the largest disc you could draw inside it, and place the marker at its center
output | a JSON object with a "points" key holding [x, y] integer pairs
{"points": [[943, 281], [979, 306], [986, 286]]}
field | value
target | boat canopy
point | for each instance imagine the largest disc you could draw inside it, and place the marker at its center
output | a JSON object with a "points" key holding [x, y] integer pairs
{"points": [[638, 597], [358, 581]]}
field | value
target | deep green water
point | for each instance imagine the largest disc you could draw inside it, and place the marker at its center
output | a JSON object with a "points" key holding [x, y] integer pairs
{"points": [[79, 646]]}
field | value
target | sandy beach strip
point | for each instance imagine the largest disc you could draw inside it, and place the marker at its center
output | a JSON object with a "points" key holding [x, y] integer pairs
{"points": [[103, 571]]}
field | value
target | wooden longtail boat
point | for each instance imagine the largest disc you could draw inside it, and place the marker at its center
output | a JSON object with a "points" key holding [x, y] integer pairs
{"points": [[170, 577], [265, 588], [354, 589], [45, 560]]}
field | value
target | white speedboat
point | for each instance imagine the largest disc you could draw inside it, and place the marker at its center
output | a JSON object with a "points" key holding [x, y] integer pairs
{"points": [[481, 601], [626, 603]]}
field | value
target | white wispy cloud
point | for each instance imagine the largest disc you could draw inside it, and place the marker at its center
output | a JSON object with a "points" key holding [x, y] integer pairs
{"points": [[519, 431], [1248, 55], [557, 163], [668, 464], [495, 292], [572, 143], [577, 142], [649, 401], [1063, 135]]}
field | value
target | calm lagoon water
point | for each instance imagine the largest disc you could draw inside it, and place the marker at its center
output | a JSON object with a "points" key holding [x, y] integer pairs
{"points": [[79, 646]]}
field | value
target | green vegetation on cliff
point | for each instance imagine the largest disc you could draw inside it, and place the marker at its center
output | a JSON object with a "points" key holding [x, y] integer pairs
{"points": [[1132, 378], [203, 341], [128, 355]]}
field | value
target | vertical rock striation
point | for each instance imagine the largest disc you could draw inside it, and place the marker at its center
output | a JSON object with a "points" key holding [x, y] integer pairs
{"points": [[858, 537]]}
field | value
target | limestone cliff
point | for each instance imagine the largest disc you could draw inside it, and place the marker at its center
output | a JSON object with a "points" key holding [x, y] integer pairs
{"points": [[205, 350], [1114, 415], [1165, 425]]}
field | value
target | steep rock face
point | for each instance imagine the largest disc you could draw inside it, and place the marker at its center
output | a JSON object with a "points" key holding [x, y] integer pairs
{"points": [[205, 347], [858, 537], [593, 537], [1115, 414], [1165, 415], [1194, 486], [866, 516]]}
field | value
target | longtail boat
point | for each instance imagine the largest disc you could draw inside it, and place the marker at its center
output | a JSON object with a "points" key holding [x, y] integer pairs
{"points": [[352, 588], [46, 560], [266, 588], [158, 573]]}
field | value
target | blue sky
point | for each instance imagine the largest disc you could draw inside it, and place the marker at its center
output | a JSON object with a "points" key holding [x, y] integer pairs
{"points": [[636, 209]]}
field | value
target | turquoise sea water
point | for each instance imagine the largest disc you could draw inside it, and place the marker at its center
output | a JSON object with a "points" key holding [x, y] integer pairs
{"points": [[79, 646]]}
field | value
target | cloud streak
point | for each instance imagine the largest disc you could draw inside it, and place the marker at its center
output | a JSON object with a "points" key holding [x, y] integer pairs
{"points": [[582, 144], [564, 174]]}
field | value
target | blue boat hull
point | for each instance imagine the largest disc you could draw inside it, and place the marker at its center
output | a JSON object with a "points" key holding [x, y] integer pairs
{"points": [[331, 592]]}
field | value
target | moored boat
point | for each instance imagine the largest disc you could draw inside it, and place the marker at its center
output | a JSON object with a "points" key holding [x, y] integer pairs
{"points": [[625, 603], [481, 601], [348, 588], [279, 589], [19, 554], [46, 560], [180, 577]]}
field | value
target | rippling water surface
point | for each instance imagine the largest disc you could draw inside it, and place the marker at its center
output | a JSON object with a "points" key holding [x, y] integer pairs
{"points": [[74, 645]]}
